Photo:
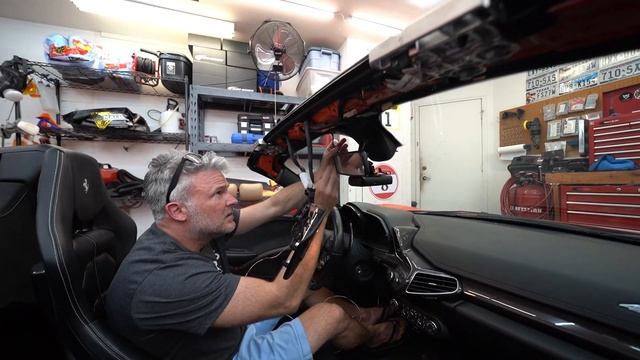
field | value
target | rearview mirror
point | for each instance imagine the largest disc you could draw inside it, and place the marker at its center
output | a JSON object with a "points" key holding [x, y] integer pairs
{"points": [[356, 165]]}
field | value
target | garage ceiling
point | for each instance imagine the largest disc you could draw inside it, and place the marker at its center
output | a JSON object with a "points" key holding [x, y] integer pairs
{"points": [[246, 14]]}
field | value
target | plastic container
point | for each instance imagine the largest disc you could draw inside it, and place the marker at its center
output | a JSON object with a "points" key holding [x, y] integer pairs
{"points": [[170, 122], [313, 79], [173, 69], [322, 58], [238, 138], [255, 124]]}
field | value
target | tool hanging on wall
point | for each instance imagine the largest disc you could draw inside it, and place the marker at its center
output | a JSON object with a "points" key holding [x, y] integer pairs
{"points": [[533, 126], [518, 114]]}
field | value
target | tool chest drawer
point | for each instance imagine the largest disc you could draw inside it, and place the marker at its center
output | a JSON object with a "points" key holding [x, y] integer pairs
{"points": [[610, 206], [615, 135]]}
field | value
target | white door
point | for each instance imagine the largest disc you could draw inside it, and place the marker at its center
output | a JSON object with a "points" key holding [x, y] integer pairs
{"points": [[450, 162]]}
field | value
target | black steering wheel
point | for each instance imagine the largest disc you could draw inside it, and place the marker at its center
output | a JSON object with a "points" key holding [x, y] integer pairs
{"points": [[333, 244]]}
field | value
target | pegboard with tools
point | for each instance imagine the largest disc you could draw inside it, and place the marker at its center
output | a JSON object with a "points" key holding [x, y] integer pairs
{"points": [[556, 119]]}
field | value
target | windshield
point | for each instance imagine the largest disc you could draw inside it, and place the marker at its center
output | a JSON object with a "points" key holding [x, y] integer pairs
{"points": [[522, 112], [558, 144]]}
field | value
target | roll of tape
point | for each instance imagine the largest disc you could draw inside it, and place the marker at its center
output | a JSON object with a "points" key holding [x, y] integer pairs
{"points": [[28, 128], [250, 192]]}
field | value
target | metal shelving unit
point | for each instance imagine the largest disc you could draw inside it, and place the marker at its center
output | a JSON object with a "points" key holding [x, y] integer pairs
{"points": [[204, 97], [80, 77], [131, 136]]}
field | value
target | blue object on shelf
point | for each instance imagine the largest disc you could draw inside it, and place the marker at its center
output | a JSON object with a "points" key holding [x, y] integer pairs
{"points": [[267, 80], [609, 162], [238, 138]]}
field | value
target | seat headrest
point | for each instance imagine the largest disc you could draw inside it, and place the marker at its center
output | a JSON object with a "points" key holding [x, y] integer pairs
{"points": [[89, 192]]}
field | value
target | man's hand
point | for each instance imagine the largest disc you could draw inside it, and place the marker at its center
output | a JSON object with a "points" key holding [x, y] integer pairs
{"points": [[330, 153], [326, 178]]}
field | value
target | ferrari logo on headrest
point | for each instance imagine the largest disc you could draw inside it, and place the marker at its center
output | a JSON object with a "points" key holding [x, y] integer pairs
{"points": [[85, 185]]}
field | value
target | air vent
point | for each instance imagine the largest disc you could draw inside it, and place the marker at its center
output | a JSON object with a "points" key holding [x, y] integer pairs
{"points": [[432, 284]]}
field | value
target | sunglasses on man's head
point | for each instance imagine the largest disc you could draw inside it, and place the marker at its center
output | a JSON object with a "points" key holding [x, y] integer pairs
{"points": [[196, 159]]}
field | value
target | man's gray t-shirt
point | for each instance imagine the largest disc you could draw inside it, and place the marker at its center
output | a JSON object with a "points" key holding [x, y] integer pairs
{"points": [[165, 298]]}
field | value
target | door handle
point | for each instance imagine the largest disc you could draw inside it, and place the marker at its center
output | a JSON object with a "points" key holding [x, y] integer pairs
{"points": [[424, 176]]}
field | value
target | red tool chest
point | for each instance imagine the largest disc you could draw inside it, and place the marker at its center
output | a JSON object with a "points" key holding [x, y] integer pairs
{"points": [[609, 206], [615, 135]]}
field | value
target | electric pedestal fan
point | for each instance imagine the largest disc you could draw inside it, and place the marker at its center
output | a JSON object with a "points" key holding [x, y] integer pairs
{"points": [[277, 50]]}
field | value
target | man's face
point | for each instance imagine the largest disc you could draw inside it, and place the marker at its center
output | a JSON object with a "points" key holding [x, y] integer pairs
{"points": [[209, 211]]}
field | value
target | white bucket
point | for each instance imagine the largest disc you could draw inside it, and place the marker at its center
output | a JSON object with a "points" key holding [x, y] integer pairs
{"points": [[170, 121]]}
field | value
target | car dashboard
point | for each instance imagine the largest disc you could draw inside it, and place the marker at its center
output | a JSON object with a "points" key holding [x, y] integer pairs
{"points": [[388, 235]]}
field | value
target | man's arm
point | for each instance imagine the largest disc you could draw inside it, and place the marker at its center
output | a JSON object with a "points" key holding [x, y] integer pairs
{"points": [[291, 197], [256, 299], [279, 204]]}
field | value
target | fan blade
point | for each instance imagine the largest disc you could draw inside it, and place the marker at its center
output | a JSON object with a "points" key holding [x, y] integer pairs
{"points": [[264, 57], [288, 65], [280, 36]]}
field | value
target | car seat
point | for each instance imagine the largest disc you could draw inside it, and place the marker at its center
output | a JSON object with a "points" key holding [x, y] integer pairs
{"points": [[83, 238], [19, 173], [23, 320]]}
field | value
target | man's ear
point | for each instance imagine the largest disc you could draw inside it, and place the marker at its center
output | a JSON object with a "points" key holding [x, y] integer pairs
{"points": [[176, 211]]}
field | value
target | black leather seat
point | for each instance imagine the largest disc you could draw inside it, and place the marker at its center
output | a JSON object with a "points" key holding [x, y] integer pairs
{"points": [[83, 238], [19, 174], [23, 321]]}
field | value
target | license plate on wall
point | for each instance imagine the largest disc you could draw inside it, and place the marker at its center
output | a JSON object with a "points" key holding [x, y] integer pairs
{"points": [[542, 81], [542, 93]]}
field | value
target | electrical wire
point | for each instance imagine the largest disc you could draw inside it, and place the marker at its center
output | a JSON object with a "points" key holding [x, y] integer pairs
{"points": [[265, 258], [6, 121], [13, 106]]}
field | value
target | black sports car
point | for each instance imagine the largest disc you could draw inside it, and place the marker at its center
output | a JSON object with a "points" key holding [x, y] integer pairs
{"points": [[471, 285]]}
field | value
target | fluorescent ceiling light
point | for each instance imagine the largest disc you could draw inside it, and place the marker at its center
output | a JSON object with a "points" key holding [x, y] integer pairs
{"points": [[424, 4], [319, 12], [160, 16], [373, 25]]}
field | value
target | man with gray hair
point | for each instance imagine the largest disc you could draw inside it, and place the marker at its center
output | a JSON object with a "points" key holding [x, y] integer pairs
{"points": [[172, 298]]}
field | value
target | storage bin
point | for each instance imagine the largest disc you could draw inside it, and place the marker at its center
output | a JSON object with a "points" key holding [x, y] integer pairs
{"points": [[173, 69], [255, 124], [314, 79], [241, 60], [321, 58]]}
